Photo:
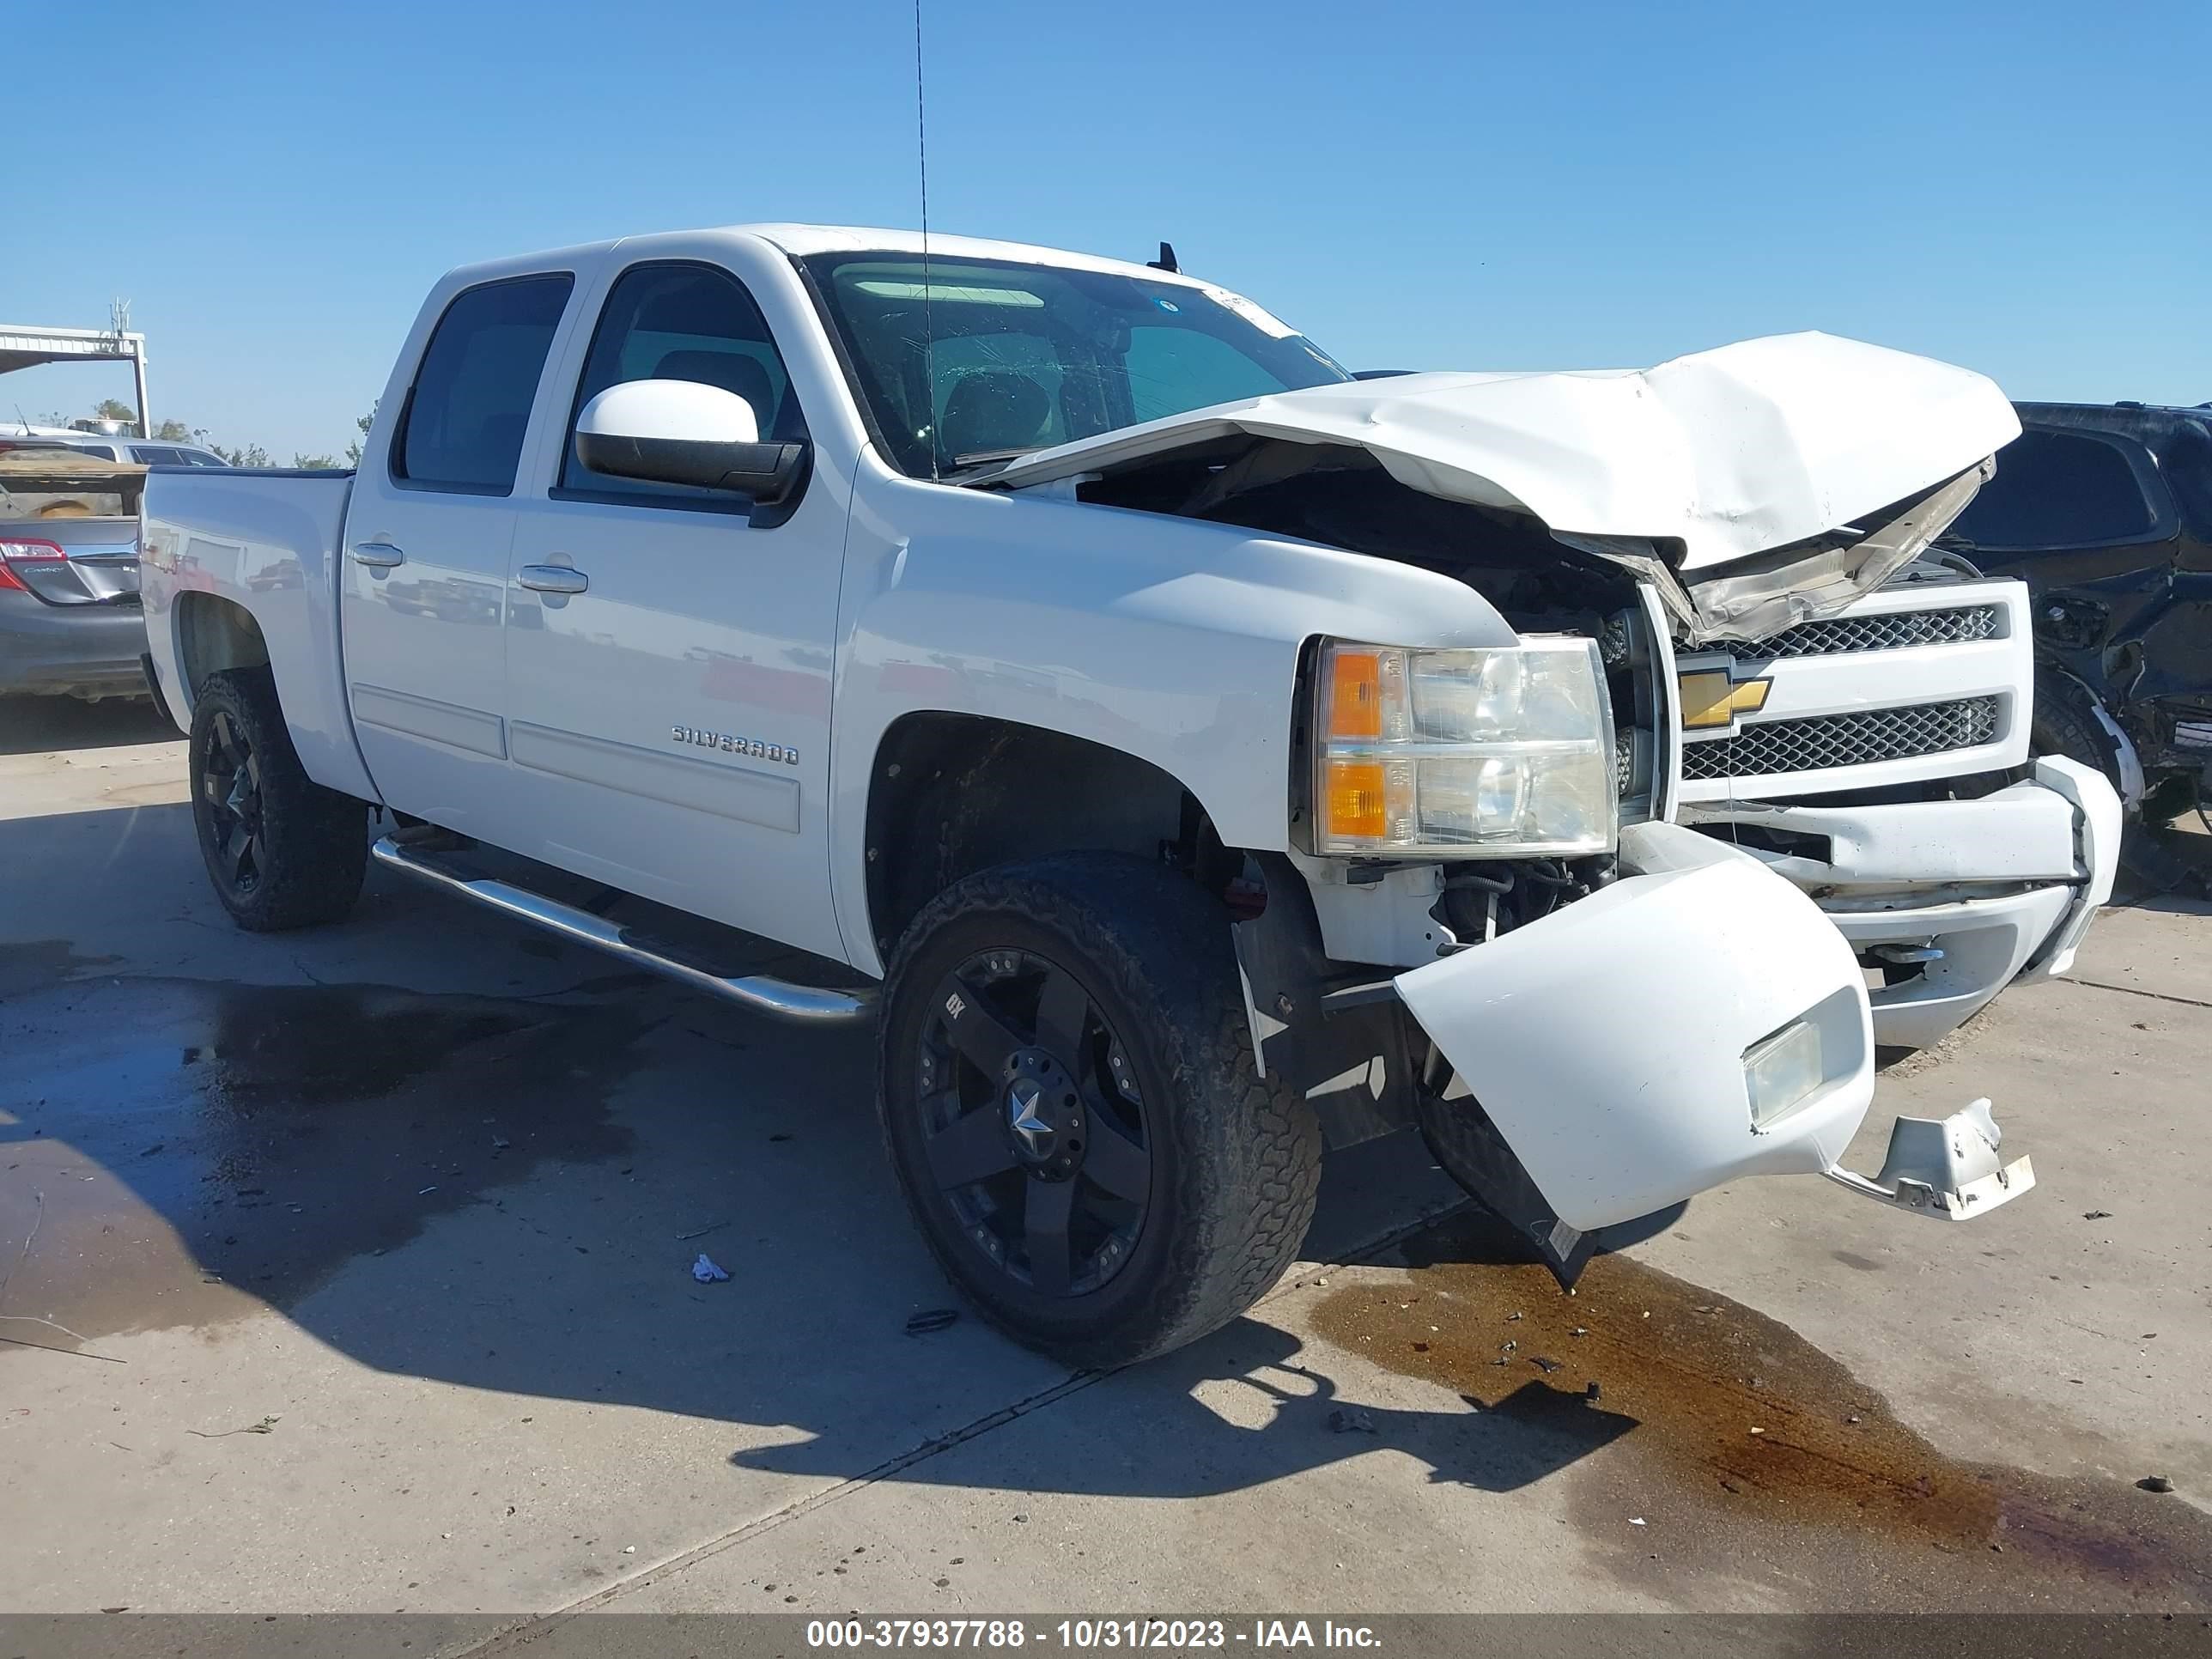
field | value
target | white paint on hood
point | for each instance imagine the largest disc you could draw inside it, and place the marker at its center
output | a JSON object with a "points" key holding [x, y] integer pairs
{"points": [[1731, 451]]}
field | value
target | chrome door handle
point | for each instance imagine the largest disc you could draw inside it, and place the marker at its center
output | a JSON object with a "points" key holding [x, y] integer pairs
{"points": [[378, 556], [551, 579]]}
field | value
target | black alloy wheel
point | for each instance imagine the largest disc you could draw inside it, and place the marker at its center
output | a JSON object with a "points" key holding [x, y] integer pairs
{"points": [[1032, 1123], [230, 794], [1069, 1100], [281, 851]]}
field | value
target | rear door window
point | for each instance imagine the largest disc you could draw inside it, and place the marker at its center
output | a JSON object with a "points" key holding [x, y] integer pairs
{"points": [[469, 409], [2059, 489]]}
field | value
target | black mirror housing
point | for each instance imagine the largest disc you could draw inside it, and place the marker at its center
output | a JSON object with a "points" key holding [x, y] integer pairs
{"points": [[771, 473]]}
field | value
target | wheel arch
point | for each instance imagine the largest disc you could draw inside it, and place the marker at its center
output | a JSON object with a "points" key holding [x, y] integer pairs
{"points": [[213, 633], [951, 794], [2058, 690]]}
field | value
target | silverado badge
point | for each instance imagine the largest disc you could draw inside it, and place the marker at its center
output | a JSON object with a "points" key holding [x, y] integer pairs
{"points": [[731, 746]]}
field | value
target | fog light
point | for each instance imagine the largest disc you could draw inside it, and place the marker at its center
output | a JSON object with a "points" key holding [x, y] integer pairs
{"points": [[1780, 1071]]}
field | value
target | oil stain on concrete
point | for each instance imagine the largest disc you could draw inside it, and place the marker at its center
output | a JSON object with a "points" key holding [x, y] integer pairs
{"points": [[1721, 1446], [174, 1152]]}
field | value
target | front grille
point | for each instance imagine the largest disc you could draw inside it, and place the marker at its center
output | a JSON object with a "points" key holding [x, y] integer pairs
{"points": [[1814, 745], [1895, 631]]}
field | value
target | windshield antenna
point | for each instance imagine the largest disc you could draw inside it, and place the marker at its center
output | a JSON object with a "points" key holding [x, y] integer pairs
{"points": [[928, 322]]}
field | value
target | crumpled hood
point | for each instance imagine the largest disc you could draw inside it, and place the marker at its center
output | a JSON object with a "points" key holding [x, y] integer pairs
{"points": [[1733, 452]]}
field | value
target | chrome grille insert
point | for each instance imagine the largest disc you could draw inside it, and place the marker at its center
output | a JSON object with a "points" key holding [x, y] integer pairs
{"points": [[1834, 635], [1768, 747]]}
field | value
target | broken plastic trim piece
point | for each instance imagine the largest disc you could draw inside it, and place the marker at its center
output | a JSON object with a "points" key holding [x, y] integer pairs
{"points": [[1949, 1169], [1760, 595]]}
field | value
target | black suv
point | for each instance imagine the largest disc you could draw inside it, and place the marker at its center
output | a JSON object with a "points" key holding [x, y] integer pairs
{"points": [[2105, 512]]}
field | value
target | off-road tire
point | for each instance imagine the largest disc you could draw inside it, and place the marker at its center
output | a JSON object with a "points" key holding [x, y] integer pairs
{"points": [[313, 849], [2064, 725], [1235, 1157]]}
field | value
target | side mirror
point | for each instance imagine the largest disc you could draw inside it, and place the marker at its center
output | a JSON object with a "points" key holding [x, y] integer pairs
{"points": [[681, 432]]}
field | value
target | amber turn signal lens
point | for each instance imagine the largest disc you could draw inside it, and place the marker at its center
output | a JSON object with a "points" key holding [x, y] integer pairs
{"points": [[1356, 806], [1355, 696]]}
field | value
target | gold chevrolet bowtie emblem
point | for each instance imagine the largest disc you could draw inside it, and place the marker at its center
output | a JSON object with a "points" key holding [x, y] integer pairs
{"points": [[1712, 698]]}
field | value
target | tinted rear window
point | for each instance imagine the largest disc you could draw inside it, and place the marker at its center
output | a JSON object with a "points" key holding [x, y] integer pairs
{"points": [[2057, 490], [470, 407]]}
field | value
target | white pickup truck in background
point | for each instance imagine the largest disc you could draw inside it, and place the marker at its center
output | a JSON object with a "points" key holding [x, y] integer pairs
{"points": [[1212, 756]]}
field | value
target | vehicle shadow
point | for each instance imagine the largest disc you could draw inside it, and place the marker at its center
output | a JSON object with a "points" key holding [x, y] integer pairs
{"points": [[32, 726], [2162, 862], [451, 1149]]}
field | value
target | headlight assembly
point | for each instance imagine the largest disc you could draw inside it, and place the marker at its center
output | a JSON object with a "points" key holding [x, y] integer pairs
{"points": [[1497, 753]]}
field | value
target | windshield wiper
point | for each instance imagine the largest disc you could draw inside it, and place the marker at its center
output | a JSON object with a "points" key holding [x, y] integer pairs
{"points": [[965, 466], [986, 457]]}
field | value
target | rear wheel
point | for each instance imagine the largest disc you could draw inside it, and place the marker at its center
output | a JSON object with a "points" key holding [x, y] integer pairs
{"points": [[1070, 1103], [281, 850]]}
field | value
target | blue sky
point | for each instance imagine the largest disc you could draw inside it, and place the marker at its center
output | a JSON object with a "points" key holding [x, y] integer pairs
{"points": [[2018, 187]]}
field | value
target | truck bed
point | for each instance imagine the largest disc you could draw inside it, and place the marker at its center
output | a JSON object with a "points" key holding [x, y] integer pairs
{"points": [[266, 540]]}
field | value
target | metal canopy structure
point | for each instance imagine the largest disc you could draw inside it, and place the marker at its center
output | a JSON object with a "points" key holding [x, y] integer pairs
{"points": [[25, 347]]}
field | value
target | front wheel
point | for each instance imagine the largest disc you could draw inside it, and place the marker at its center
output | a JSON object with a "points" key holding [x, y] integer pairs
{"points": [[1070, 1102], [2066, 724], [281, 850]]}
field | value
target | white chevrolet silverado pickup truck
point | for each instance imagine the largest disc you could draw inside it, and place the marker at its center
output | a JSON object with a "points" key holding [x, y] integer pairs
{"points": [[1199, 756]]}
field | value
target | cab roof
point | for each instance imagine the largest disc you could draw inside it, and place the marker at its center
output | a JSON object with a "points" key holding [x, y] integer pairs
{"points": [[801, 240]]}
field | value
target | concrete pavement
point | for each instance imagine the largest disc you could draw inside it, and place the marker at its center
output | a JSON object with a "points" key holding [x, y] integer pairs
{"points": [[346, 1271]]}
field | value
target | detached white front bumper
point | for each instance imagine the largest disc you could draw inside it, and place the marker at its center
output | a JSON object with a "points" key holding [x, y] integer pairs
{"points": [[1975, 894], [1608, 1043]]}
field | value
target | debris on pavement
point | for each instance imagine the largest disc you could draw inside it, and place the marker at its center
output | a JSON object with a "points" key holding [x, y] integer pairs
{"points": [[1346, 1419], [930, 1319], [2155, 1483], [2096, 1215], [706, 1272], [712, 1227], [266, 1426]]}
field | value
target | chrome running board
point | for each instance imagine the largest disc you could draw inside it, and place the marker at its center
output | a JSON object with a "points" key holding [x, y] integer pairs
{"points": [[803, 1005]]}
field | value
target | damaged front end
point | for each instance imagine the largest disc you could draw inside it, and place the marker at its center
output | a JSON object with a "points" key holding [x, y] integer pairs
{"points": [[1588, 1038], [1692, 1020]]}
